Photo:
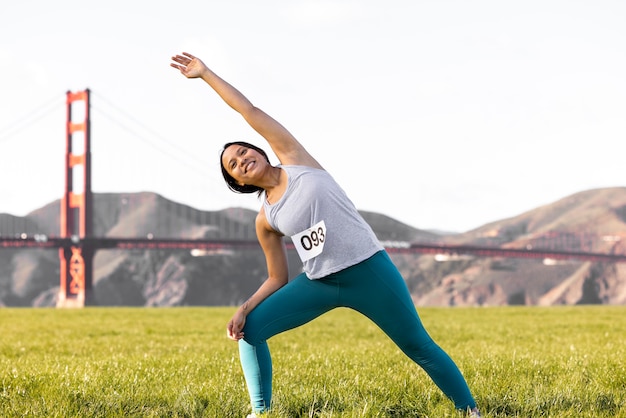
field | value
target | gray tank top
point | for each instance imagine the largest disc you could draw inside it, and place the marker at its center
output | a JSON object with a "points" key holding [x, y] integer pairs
{"points": [[323, 223]]}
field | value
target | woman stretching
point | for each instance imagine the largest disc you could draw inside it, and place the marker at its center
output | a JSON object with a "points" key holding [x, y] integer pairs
{"points": [[344, 264]]}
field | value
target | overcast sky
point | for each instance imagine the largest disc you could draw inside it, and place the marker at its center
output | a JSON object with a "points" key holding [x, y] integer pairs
{"points": [[441, 114]]}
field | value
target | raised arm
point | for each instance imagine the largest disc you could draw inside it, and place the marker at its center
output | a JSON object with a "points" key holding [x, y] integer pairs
{"points": [[283, 143]]}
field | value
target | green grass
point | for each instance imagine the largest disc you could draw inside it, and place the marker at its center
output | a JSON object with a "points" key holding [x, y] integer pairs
{"points": [[177, 362]]}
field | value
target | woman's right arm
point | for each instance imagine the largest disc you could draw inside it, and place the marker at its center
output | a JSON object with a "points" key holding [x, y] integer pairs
{"points": [[283, 143], [273, 247]]}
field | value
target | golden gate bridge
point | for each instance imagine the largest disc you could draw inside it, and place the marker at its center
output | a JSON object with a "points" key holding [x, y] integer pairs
{"points": [[77, 244]]}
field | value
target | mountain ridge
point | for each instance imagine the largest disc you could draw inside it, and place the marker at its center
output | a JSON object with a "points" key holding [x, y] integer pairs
{"points": [[173, 278]]}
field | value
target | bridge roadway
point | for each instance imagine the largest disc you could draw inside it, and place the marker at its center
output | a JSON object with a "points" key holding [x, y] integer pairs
{"points": [[221, 245]]}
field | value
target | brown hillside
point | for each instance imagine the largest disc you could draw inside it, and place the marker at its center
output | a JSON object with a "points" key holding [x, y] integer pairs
{"points": [[167, 278], [598, 215], [595, 212]]}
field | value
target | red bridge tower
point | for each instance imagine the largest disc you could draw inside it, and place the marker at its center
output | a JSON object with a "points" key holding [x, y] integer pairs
{"points": [[76, 210]]}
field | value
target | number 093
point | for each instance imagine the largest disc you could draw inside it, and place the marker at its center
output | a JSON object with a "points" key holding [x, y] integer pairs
{"points": [[313, 239]]}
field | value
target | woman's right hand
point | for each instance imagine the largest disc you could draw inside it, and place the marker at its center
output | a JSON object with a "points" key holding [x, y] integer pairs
{"points": [[235, 326]]}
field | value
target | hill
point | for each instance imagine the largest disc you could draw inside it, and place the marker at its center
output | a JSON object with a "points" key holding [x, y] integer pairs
{"points": [[592, 213], [170, 278]]}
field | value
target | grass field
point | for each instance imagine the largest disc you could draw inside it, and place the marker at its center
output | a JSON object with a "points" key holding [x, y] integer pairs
{"points": [[177, 362]]}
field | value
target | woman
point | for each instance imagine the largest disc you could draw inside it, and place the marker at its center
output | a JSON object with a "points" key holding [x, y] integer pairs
{"points": [[344, 264]]}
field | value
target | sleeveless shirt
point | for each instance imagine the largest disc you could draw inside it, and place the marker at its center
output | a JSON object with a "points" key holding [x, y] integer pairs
{"points": [[313, 196]]}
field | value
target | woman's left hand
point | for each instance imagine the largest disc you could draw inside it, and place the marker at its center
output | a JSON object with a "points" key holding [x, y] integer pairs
{"points": [[188, 65]]}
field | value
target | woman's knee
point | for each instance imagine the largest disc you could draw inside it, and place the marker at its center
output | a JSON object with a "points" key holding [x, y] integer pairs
{"points": [[423, 352], [253, 330]]}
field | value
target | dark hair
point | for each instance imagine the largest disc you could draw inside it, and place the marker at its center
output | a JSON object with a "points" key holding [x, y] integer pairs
{"points": [[230, 180]]}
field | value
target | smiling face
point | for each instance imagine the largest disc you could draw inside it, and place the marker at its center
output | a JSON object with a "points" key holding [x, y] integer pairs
{"points": [[243, 166], [242, 163]]}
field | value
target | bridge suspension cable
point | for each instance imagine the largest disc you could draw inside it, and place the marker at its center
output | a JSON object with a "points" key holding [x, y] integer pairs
{"points": [[40, 112], [153, 139], [172, 168]]}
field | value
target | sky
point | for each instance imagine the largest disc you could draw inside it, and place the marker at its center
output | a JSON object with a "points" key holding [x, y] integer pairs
{"points": [[441, 114]]}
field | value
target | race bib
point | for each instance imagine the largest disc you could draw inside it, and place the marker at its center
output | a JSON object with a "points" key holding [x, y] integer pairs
{"points": [[310, 242]]}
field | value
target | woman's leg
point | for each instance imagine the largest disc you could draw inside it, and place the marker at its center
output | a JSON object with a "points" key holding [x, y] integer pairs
{"points": [[295, 304], [376, 289]]}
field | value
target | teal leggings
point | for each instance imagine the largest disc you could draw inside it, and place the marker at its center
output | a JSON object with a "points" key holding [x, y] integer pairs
{"points": [[374, 288]]}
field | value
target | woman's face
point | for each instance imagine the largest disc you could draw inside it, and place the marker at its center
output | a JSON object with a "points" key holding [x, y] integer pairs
{"points": [[243, 163]]}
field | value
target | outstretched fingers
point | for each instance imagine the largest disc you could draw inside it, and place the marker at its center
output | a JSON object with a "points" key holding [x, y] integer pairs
{"points": [[181, 60], [188, 65]]}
